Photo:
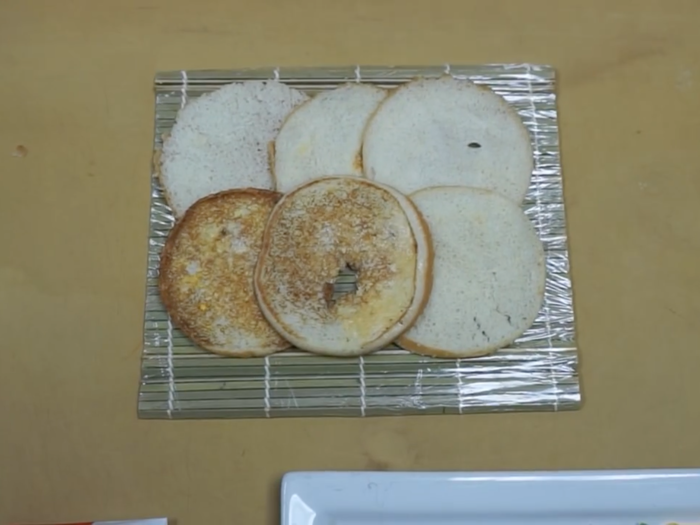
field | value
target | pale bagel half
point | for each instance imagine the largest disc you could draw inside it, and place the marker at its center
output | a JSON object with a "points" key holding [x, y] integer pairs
{"points": [[220, 141], [206, 273], [323, 227], [488, 276], [444, 131], [323, 136]]}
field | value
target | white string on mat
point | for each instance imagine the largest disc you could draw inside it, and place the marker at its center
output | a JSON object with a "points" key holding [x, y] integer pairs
{"points": [[358, 76], [460, 396], [183, 88], [267, 386], [363, 388], [540, 224], [170, 371]]}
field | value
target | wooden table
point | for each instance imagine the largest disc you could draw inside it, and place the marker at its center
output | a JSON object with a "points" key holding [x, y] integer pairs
{"points": [[76, 124]]}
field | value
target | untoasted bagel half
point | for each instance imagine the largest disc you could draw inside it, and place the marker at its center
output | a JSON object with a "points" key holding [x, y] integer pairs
{"points": [[323, 136], [488, 277], [323, 227], [220, 141], [206, 273], [444, 131]]}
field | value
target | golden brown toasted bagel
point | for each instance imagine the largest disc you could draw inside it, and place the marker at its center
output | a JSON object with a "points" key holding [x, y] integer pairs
{"points": [[206, 273], [333, 225]]}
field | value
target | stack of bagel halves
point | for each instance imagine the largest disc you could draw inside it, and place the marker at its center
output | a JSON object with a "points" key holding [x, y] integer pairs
{"points": [[342, 223]]}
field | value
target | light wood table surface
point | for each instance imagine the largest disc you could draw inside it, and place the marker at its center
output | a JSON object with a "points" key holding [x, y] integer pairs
{"points": [[76, 92]]}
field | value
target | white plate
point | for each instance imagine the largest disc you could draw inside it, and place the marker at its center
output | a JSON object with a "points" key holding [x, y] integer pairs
{"points": [[626, 497]]}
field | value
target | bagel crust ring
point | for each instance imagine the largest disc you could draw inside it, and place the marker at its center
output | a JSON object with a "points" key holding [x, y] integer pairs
{"points": [[337, 223]]}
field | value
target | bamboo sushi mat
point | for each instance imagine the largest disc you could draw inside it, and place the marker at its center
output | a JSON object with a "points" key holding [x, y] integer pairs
{"points": [[538, 372]]}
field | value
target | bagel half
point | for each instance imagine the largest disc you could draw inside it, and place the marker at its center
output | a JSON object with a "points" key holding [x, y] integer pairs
{"points": [[220, 141], [324, 227], [444, 131], [323, 136], [206, 273], [489, 274]]}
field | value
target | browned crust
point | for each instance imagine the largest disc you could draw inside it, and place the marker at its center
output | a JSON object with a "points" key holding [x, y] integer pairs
{"points": [[357, 162], [264, 300], [417, 348], [271, 162], [164, 284], [264, 250]]}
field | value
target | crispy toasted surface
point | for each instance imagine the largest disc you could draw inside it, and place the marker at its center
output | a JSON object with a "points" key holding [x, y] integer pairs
{"points": [[206, 273], [328, 225]]}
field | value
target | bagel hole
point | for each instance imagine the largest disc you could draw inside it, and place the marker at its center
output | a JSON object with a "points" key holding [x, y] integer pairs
{"points": [[344, 283], [474, 145]]}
